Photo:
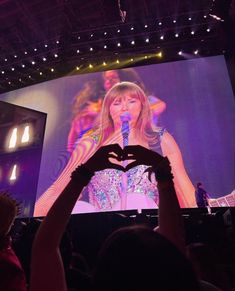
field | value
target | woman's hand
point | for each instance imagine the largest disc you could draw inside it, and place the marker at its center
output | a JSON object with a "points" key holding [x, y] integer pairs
{"points": [[100, 160]]}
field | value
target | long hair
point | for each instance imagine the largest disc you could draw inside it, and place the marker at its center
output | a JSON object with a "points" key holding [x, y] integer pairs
{"points": [[144, 126]]}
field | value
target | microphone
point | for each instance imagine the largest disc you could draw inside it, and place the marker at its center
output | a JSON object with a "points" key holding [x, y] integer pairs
{"points": [[125, 118]]}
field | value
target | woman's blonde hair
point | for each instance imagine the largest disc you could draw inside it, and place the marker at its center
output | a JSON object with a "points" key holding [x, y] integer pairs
{"points": [[144, 127]]}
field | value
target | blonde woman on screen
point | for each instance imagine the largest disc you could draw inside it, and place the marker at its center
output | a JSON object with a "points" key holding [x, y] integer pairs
{"points": [[105, 190]]}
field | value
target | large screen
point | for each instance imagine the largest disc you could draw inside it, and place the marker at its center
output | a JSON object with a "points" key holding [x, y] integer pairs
{"points": [[192, 111]]}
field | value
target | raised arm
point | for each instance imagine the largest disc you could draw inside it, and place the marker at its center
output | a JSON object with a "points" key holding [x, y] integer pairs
{"points": [[47, 271], [183, 185]]}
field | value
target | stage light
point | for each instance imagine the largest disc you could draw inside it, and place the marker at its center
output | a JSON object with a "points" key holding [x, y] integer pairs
{"points": [[25, 136], [91, 35], [46, 45], [216, 17], [189, 18], [57, 42], [77, 68], [132, 28], [13, 173], [146, 26], [3, 72], [33, 62], [174, 21], [40, 73], [208, 30], [52, 70], [90, 66], [13, 69], [132, 42], [55, 55], [15, 56], [104, 64], [145, 57], [30, 77], [147, 40], [44, 59], [159, 55], [79, 37], [176, 35], [23, 66], [132, 60], [9, 83], [35, 49], [91, 49], [5, 60], [118, 44], [160, 23], [78, 51], [205, 16], [105, 46], [192, 32], [13, 138], [118, 30], [20, 79], [105, 33], [180, 53], [195, 52], [117, 61], [25, 53], [162, 37]]}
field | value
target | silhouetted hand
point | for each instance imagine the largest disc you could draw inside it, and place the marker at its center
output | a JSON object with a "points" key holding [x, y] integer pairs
{"points": [[100, 160], [158, 164]]}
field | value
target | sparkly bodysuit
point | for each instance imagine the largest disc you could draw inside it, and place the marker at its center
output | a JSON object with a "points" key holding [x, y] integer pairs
{"points": [[104, 189]]}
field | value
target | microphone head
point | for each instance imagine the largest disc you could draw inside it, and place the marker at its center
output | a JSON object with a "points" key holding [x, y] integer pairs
{"points": [[125, 116]]}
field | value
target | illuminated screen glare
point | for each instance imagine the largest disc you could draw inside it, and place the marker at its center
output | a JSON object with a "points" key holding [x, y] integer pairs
{"points": [[191, 100]]}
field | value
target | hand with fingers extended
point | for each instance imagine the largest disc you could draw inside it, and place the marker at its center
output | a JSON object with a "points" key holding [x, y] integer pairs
{"points": [[158, 164], [98, 162]]}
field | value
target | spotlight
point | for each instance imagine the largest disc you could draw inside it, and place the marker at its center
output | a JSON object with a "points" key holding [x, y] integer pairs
{"points": [[55, 55], [162, 37], [46, 45], [35, 49], [189, 18], [176, 35], [78, 51], [104, 64], [132, 60], [132, 42], [147, 40], [13, 69], [159, 23], [44, 59], [5, 60], [118, 30], [77, 68], [91, 49], [25, 136], [57, 42], [205, 16], [159, 55], [79, 37], [30, 77], [13, 138], [9, 83], [52, 70], [23, 66], [25, 53], [146, 26], [145, 57], [33, 62], [180, 53], [118, 44], [208, 30], [192, 32], [91, 35], [15, 56], [40, 73], [174, 21], [117, 61], [132, 28], [3, 72], [90, 66], [195, 52], [105, 33], [105, 46]]}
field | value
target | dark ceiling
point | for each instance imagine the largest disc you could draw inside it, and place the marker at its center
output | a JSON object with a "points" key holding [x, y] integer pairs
{"points": [[42, 40]]}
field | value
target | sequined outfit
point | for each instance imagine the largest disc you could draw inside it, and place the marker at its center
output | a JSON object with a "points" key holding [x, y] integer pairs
{"points": [[104, 189]]}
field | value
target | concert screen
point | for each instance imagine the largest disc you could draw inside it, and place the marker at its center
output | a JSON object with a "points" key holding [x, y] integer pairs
{"points": [[187, 107]]}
